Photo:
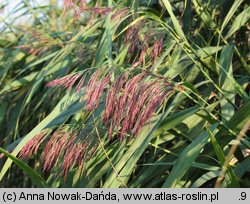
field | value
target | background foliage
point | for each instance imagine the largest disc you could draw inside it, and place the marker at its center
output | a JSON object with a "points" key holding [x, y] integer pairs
{"points": [[197, 138]]}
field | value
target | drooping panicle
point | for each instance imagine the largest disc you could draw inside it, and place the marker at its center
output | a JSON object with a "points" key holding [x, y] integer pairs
{"points": [[68, 81], [130, 103], [55, 148], [157, 49], [132, 98], [75, 154], [159, 93], [77, 6], [113, 99], [80, 6], [132, 36], [68, 147], [101, 10], [96, 86], [32, 146]]}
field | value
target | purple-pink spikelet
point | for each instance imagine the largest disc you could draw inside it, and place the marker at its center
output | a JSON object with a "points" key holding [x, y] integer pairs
{"points": [[158, 46], [140, 95], [112, 99], [67, 81], [132, 36], [144, 93], [63, 150], [80, 6], [77, 6], [131, 103], [32, 146], [55, 148], [153, 102], [95, 88], [68, 146], [102, 11], [74, 154], [126, 101]]}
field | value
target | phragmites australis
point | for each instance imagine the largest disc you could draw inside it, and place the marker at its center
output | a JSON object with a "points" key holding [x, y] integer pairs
{"points": [[96, 86], [39, 42], [130, 103], [139, 43], [33, 145], [131, 100], [80, 6], [130, 96], [67, 82], [63, 149]]}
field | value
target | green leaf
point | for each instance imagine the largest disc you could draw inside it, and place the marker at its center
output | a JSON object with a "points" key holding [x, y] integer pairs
{"points": [[60, 113], [230, 13], [131, 156], [230, 178], [177, 26], [234, 125], [205, 178], [243, 167], [203, 14], [34, 176], [226, 81], [19, 83], [238, 22], [175, 119], [186, 158], [3, 110]]}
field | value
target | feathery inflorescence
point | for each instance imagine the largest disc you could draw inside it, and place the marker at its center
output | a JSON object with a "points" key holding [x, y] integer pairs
{"points": [[80, 6], [39, 42], [158, 47], [132, 98], [130, 103], [140, 43], [33, 145], [63, 150], [132, 36], [68, 81], [66, 145], [96, 86]]}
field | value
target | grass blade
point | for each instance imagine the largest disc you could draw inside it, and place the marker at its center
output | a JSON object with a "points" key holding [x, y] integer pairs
{"points": [[35, 177], [186, 158]]}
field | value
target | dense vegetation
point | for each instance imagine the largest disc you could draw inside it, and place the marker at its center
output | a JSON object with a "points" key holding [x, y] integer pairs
{"points": [[130, 93]]}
